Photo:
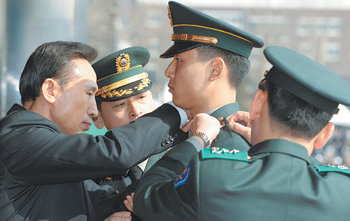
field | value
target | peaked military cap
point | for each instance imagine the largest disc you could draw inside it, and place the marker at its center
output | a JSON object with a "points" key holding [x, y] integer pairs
{"points": [[306, 79], [193, 28], [121, 75]]}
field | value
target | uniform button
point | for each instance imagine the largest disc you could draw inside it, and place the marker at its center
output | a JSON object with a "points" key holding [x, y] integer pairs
{"points": [[171, 139], [163, 143], [167, 141]]}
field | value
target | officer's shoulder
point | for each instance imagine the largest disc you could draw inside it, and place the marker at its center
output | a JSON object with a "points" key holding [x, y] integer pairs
{"points": [[223, 153], [323, 169]]}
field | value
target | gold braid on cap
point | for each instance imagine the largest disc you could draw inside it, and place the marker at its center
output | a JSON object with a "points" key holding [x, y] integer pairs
{"points": [[144, 83], [198, 38], [109, 90], [214, 29]]}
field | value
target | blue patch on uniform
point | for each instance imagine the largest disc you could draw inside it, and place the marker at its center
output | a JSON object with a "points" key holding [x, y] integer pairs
{"points": [[183, 177]]}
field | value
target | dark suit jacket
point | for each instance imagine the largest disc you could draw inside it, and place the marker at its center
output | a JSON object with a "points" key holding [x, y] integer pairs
{"points": [[42, 169]]}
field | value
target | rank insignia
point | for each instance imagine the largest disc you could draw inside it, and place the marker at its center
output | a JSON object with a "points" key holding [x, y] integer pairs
{"points": [[183, 177], [223, 153], [332, 168]]}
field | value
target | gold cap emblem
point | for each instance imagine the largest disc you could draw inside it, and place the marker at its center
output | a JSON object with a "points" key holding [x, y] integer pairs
{"points": [[123, 62]]}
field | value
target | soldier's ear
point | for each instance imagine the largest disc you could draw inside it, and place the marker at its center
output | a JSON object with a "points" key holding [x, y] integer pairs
{"points": [[98, 121], [258, 103], [323, 136], [216, 67], [50, 89]]}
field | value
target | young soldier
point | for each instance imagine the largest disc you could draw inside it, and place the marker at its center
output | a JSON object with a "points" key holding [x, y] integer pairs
{"points": [[210, 61], [123, 96], [275, 180]]}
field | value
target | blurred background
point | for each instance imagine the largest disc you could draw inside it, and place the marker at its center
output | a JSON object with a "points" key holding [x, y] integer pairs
{"points": [[317, 28]]}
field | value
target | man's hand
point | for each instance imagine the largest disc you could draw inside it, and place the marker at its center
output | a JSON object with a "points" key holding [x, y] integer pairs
{"points": [[129, 202], [240, 123], [120, 216], [206, 124]]}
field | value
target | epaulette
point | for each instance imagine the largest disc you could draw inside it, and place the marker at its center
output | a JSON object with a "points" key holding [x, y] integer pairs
{"points": [[332, 168], [223, 153]]}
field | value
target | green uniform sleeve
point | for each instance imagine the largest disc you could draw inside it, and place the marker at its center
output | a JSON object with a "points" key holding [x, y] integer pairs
{"points": [[168, 190]]}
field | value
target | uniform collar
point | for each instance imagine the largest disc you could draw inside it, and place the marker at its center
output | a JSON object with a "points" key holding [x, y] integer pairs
{"points": [[14, 108], [280, 146], [226, 137], [225, 110]]}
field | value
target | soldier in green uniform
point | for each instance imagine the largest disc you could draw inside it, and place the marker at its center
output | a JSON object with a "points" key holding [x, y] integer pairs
{"points": [[275, 180], [210, 61], [123, 96]]}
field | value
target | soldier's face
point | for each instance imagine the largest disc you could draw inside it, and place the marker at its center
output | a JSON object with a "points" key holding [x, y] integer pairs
{"points": [[119, 113], [75, 103], [187, 80]]}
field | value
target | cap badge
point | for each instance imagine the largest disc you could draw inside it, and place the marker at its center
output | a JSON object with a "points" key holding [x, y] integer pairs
{"points": [[123, 62]]}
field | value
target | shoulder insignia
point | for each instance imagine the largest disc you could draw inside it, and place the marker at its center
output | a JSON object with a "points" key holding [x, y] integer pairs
{"points": [[223, 153], [332, 168], [183, 177]]}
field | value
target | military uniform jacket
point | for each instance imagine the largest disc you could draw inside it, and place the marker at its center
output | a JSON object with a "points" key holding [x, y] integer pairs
{"points": [[278, 182], [226, 137], [42, 169]]}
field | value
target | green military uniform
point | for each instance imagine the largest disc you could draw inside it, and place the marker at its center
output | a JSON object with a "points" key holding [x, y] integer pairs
{"points": [[121, 75], [226, 138], [276, 180]]}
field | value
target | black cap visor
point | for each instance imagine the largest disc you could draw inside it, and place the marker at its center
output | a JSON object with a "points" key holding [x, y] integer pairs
{"points": [[178, 47]]}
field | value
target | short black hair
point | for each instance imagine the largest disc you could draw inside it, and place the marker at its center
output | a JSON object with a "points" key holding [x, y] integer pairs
{"points": [[238, 66], [98, 102], [301, 118], [49, 60]]}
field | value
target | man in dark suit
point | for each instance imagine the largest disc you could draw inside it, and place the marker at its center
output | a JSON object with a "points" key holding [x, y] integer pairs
{"points": [[276, 179], [43, 154]]}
